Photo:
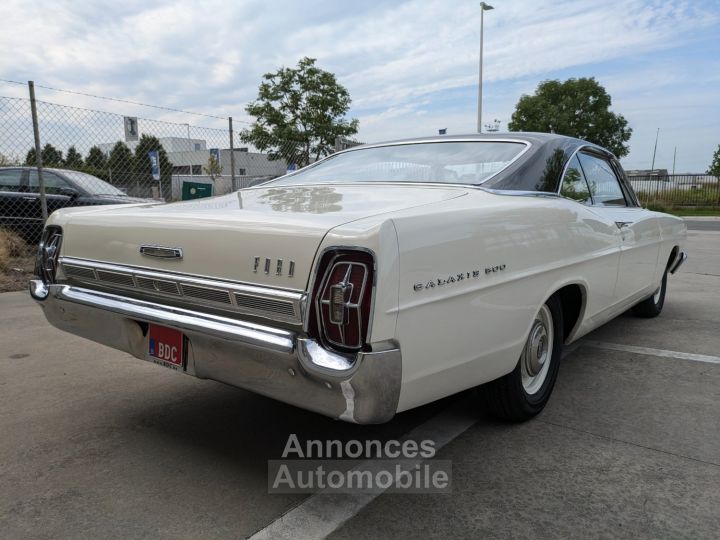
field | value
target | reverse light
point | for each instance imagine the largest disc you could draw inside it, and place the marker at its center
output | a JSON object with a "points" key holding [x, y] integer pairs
{"points": [[337, 302]]}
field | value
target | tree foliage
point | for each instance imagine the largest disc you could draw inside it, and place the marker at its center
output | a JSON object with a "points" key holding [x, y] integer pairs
{"points": [[51, 156], [9, 159], [120, 164], [31, 158], [96, 159], [142, 167], [576, 107], [715, 165], [213, 169], [299, 112], [74, 159]]}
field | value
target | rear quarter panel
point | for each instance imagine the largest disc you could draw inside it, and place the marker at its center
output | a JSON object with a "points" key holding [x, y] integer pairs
{"points": [[673, 233], [460, 332]]}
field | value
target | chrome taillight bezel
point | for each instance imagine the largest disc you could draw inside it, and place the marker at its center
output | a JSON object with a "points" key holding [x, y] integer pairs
{"points": [[46, 262], [328, 263]]}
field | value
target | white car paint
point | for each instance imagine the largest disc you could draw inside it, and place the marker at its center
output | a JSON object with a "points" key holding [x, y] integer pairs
{"points": [[454, 333]]}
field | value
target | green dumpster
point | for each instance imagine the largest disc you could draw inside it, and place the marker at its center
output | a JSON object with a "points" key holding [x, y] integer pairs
{"points": [[196, 190]]}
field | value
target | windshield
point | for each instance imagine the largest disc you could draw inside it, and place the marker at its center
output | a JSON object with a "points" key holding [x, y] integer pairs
{"points": [[444, 162], [93, 184]]}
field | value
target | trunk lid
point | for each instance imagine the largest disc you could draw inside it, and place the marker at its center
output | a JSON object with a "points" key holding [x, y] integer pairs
{"points": [[220, 237]]}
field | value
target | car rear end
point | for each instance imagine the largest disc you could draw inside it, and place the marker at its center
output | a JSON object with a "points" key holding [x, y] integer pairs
{"points": [[308, 328]]}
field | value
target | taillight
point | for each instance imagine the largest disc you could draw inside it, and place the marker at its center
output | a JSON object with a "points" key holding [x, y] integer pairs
{"points": [[48, 253], [341, 299]]}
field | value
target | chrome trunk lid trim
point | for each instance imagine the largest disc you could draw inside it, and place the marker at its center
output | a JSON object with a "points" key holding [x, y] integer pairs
{"points": [[192, 291]]}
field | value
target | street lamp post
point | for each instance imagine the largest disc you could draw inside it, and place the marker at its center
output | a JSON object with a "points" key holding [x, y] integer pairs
{"points": [[483, 8]]}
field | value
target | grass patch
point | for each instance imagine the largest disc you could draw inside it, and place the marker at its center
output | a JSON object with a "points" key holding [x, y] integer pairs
{"points": [[16, 261], [673, 197], [684, 212]]}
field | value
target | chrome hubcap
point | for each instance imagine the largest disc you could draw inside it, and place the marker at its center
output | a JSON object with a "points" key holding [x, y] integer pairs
{"points": [[536, 356]]}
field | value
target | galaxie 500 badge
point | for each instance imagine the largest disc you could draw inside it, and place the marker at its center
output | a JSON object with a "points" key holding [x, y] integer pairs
{"points": [[455, 278]]}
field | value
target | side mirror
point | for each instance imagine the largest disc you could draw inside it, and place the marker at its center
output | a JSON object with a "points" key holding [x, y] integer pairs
{"points": [[69, 192]]}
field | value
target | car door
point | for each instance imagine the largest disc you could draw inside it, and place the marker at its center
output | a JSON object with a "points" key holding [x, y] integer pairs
{"points": [[639, 229], [17, 206], [603, 268], [56, 188]]}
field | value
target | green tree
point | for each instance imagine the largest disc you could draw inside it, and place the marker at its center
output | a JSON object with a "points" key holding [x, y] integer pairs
{"points": [[299, 112], [73, 160], [10, 159], [31, 158], [95, 159], [213, 169], [120, 164], [576, 107], [715, 165], [51, 156], [143, 168]]}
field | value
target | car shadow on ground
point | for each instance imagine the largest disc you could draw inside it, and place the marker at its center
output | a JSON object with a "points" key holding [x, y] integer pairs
{"points": [[239, 426]]}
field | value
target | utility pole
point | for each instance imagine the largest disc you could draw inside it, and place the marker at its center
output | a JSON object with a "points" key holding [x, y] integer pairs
{"points": [[674, 156], [38, 151], [190, 147], [652, 167], [483, 8]]}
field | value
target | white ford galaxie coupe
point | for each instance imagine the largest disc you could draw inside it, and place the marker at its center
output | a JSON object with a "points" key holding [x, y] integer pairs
{"points": [[376, 280]]}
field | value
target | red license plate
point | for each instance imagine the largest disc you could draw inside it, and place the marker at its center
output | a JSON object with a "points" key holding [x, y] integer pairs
{"points": [[166, 344]]}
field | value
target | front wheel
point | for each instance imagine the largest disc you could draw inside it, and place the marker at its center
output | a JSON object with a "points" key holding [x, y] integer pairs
{"points": [[523, 393]]}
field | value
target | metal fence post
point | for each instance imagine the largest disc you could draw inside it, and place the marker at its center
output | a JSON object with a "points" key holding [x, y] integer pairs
{"points": [[38, 151], [232, 155]]}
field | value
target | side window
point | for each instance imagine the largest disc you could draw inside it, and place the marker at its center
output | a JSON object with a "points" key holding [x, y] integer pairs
{"points": [[10, 179], [604, 185], [53, 183], [574, 185], [630, 195]]}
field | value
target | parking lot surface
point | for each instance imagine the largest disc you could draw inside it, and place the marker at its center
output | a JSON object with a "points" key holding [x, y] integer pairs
{"points": [[94, 443]]}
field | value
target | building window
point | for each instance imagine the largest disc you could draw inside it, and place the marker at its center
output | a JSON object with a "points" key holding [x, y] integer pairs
{"points": [[197, 169], [197, 147], [241, 172], [181, 169]]}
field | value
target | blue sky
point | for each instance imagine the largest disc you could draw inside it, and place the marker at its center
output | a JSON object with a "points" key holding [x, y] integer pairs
{"points": [[410, 66]]}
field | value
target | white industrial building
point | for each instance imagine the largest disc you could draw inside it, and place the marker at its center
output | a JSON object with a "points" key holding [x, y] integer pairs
{"points": [[190, 157], [246, 163], [170, 144]]}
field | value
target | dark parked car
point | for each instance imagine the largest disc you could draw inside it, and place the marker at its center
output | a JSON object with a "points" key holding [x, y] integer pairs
{"points": [[20, 208]]}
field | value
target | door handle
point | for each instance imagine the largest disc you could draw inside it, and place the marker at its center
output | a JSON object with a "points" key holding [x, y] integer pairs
{"points": [[623, 224], [29, 198]]}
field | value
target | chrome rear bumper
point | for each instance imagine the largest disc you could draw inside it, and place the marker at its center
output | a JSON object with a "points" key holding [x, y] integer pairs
{"points": [[677, 263], [277, 363]]}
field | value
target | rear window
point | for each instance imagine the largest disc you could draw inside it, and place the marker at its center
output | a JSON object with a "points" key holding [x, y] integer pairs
{"points": [[437, 162]]}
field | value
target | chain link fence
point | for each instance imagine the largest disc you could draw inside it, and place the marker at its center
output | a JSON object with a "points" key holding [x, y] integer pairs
{"points": [[53, 156], [664, 192]]}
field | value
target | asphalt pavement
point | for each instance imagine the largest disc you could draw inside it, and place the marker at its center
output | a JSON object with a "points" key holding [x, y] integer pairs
{"points": [[703, 224], [96, 444]]}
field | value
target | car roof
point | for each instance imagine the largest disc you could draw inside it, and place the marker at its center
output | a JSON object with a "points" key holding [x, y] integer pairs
{"points": [[527, 136], [33, 168]]}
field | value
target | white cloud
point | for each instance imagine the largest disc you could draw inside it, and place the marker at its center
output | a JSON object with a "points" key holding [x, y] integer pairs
{"points": [[397, 58]]}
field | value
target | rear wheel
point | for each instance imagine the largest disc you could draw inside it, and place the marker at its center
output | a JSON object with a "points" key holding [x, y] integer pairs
{"points": [[523, 393], [651, 307]]}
